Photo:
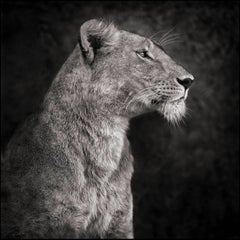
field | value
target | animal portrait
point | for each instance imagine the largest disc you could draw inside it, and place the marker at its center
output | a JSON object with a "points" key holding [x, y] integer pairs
{"points": [[73, 151], [117, 123]]}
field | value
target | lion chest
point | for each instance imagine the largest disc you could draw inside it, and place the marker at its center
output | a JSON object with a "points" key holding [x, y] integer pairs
{"points": [[107, 203]]}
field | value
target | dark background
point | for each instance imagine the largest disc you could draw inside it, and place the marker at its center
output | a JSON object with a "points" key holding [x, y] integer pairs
{"points": [[186, 180]]}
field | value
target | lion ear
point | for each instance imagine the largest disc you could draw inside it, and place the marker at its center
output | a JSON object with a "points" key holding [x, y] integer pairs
{"points": [[95, 35]]}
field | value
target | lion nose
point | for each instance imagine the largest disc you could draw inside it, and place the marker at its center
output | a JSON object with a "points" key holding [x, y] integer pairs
{"points": [[186, 82]]}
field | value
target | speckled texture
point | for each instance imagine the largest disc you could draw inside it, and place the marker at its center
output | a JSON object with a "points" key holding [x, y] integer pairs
{"points": [[186, 179]]}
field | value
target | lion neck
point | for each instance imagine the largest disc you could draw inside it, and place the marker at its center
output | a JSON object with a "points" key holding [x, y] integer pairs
{"points": [[73, 100]]}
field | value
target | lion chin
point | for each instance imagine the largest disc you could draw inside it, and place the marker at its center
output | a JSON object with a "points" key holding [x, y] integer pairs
{"points": [[173, 111]]}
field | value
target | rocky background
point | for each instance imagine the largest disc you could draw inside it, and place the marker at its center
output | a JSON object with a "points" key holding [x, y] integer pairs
{"points": [[186, 181]]}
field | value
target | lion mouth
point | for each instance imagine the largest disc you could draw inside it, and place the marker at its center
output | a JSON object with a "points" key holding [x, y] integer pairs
{"points": [[178, 100], [157, 101]]}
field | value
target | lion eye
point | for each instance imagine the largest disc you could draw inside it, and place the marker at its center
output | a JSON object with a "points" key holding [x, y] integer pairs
{"points": [[143, 54]]}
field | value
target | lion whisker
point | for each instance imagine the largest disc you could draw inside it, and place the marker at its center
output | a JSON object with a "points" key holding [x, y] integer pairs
{"points": [[172, 38], [166, 34], [171, 42], [156, 33], [138, 96]]}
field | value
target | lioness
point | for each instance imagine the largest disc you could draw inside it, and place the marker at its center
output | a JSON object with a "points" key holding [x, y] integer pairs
{"points": [[67, 171]]}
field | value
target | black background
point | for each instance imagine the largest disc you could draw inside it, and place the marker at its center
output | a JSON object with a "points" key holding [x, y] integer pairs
{"points": [[186, 178]]}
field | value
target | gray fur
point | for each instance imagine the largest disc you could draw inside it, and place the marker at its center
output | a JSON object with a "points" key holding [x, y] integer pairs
{"points": [[67, 171]]}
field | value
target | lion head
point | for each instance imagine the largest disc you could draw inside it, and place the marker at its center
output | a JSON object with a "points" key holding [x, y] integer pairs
{"points": [[132, 73]]}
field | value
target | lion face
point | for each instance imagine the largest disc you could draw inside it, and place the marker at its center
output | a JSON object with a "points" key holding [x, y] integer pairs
{"points": [[155, 80], [139, 75]]}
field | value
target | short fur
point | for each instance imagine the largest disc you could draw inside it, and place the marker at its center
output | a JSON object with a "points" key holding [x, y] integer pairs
{"points": [[67, 171]]}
